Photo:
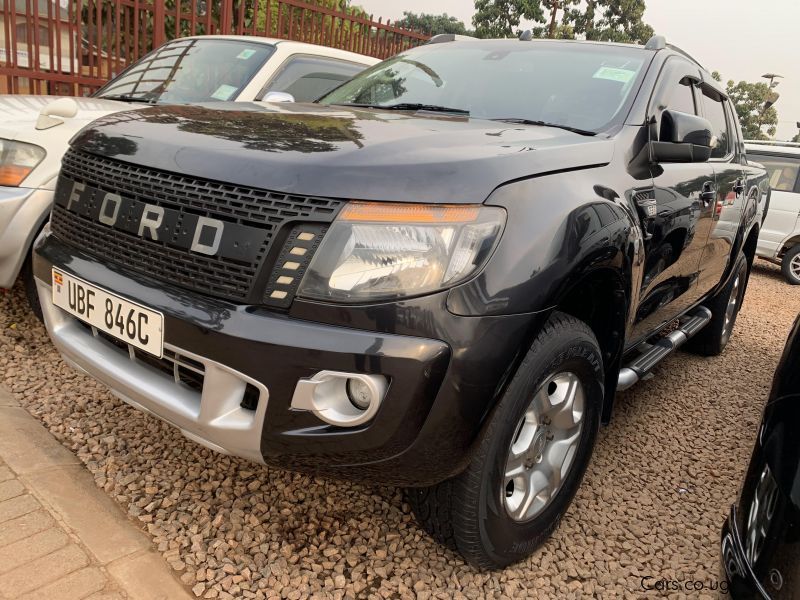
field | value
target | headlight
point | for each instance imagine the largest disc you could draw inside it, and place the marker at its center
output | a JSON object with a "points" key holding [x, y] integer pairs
{"points": [[17, 160], [376, 250]]}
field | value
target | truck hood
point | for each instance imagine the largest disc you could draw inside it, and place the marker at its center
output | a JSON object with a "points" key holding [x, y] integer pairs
{"points": [[18, 116], [339, 152]]}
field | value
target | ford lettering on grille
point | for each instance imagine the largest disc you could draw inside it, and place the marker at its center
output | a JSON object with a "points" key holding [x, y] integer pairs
{"points": [[184, 230], [207, 236]]}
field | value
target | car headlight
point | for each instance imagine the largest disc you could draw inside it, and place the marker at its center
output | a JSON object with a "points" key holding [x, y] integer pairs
{"points": [[17, 160], [377, 250]]}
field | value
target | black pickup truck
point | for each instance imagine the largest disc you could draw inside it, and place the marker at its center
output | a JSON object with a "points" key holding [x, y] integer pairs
{"points": [[436, 277]]}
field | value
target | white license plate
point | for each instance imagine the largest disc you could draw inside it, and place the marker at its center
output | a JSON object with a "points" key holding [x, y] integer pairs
{"points": [[129, 322]]}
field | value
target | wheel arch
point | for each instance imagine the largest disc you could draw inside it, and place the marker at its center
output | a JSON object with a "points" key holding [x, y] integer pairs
{"points": [[788, 244], [600, 299], [751, 242]]}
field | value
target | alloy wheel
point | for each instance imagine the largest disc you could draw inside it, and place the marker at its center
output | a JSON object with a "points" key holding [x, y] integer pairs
{"points": [[544, 446], [794, 267]]}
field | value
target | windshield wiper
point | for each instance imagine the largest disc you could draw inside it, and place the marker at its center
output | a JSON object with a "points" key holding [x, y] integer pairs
{"points": [[546, 124], [410, 106], [127, 98]]}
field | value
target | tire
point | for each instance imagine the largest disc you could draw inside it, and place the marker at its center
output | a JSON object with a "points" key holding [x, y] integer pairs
{"points": [[30, 289], [712, 339], [790, 265], [473, 511]]}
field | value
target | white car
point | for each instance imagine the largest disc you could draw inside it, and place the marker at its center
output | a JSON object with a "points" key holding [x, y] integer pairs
{"points": [[779, 240], [35, 130]]}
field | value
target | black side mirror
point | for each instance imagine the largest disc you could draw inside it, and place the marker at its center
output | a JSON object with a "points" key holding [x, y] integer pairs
{"points": [[683, 138]]}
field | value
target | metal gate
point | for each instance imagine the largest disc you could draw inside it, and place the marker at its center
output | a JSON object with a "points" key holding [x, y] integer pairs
{"points": [[72, 47]]}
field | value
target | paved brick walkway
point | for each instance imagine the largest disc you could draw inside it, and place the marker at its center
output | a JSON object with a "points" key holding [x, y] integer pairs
{"points": [[61, 538]]}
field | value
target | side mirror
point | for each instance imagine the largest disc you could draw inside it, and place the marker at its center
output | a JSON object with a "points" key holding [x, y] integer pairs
{"points": [[277, 97], [55, 112], [683, 138]]}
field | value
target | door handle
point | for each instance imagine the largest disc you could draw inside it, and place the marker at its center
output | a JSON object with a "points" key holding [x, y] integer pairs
{"points": [[708, 193], [738, 186]]}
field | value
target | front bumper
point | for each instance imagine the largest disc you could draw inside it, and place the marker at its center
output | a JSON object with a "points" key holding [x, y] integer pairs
{"points": [[429, 420], [22, 212]]}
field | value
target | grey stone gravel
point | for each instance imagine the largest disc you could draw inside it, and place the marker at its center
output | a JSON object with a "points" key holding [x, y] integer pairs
{"points": [[662, 478]]}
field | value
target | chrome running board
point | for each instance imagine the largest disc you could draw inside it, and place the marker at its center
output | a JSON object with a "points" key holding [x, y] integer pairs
{"points": [[661, 349]]}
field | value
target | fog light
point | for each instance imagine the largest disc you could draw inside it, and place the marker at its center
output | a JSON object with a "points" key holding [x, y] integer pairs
{"points": [[341, 399], [359, 393]]}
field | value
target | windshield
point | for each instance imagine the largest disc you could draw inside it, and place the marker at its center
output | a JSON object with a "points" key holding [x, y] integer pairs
{"points": [[584, 86], [190, 71]]}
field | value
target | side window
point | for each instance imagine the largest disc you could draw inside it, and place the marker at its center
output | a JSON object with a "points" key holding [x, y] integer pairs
{"points": [[714, 110], [308, 78], [675, 90], [682, 97], [782, 171]]}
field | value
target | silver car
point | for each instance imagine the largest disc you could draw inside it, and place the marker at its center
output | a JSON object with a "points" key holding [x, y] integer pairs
{"points": [[35, 130]]}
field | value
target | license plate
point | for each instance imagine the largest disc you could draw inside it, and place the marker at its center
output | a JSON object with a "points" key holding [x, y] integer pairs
{"points": [[120, 318]]}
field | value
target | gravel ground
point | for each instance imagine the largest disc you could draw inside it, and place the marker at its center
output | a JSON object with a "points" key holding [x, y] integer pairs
{"points": [[662, 478]]}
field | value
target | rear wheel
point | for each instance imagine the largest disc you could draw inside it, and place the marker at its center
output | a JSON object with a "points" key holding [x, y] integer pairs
{"points": [[790, 265], [724, 307], [532, 457]]}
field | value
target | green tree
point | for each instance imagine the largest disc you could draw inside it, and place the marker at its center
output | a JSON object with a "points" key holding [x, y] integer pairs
{"points": [[619, 21], [608, 20], [501, 18], [796, 138], [758, 121], [431, 24]]}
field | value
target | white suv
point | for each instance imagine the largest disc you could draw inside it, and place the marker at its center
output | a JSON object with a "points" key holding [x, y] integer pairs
{"points": [[35, 130], [779, 241]]}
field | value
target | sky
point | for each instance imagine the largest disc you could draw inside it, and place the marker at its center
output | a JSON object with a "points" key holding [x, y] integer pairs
{"points": [[741, 39]]}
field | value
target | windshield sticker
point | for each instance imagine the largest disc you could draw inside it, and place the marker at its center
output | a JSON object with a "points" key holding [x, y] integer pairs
{"points": [[224, 92], [245, 54], [613, 74]]}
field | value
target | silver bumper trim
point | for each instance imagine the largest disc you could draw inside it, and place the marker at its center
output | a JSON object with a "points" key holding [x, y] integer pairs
{"points": [[213, 418]]}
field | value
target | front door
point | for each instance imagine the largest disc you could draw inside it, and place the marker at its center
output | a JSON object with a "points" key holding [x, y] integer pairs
{"points": [[675, 214], [729, 191]]}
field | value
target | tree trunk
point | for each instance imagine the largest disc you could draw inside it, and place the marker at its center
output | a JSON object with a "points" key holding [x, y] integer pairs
{"points": [[553, 14]]}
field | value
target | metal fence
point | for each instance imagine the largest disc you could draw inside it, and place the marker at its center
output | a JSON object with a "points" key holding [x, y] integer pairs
{"points": [[72, 47]]}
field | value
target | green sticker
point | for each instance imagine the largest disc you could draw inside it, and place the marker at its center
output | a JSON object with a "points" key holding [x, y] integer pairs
{"points": [[614, 74], [245, 54], [224, 92]]}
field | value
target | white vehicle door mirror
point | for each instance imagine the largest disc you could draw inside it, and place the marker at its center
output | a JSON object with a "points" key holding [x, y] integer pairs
{"points": [[54, 113], [277, 97]]}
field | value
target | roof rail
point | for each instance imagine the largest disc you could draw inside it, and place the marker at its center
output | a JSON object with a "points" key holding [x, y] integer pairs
{"points": [[773, 143], [441, 38], [685, 55], [657, 42]]}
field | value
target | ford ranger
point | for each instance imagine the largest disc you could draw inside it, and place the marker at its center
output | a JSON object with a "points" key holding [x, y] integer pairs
{"points": [[437, 277]]}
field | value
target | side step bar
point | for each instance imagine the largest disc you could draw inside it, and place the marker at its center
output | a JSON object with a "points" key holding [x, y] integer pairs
{"points": [[658, 351]]}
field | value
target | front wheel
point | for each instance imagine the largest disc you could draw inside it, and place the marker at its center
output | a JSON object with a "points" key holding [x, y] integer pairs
{"points": [[532, 457], [790, 265]]}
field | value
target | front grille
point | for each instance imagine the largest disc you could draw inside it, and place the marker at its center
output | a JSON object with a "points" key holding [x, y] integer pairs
{"points": [[271, 212]]}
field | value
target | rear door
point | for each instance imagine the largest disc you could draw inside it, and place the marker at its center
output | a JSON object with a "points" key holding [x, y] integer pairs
{"points": [[727, 159], [673, 215]]}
